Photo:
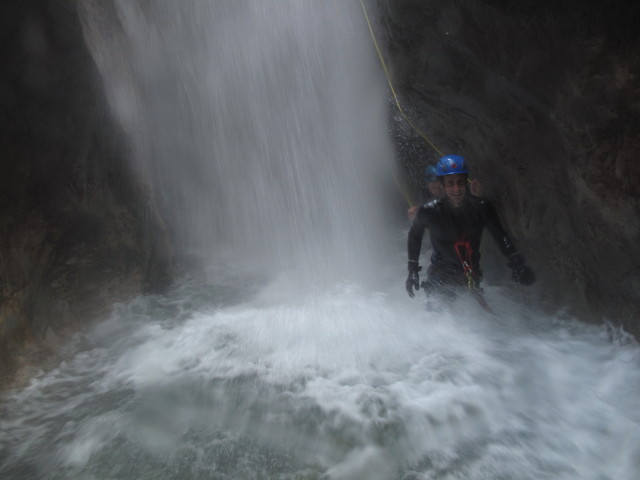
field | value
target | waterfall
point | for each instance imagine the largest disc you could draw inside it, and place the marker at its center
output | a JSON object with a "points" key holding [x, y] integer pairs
{"points": [[259, 126]]}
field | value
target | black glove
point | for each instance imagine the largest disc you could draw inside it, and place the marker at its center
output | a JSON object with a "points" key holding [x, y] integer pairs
{"points": [[413, 280], [520, 272]]}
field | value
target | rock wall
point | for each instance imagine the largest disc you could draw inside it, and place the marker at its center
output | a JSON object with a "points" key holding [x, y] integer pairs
{"points": [[543, 98], [77, 231]]}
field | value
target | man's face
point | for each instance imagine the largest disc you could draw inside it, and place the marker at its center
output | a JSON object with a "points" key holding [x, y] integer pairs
{"points": [[455, 187]]}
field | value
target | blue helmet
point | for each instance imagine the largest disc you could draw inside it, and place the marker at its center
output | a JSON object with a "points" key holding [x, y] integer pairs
{"points": [[430, 173], [450, 164]]}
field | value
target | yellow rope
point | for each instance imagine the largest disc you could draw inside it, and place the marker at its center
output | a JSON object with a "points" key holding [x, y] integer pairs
{"points": [[393, 91]]}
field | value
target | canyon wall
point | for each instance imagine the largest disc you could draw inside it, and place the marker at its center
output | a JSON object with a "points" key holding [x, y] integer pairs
{"points": [[77, 231]]}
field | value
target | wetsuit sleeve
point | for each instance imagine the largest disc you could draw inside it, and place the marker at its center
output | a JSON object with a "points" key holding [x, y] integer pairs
{"points": [[493, 224], [416, 232]]}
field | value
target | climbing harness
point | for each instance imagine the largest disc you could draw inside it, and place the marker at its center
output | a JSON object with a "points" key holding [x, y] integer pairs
{"points": [[467, 271], [464, 251]]}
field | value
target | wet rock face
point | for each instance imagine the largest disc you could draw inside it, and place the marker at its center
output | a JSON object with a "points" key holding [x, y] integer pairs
{"points": [[544, 99], [76, 230]]}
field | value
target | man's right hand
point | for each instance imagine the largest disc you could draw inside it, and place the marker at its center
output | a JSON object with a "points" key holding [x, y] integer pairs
{"points": [[413, 281]]}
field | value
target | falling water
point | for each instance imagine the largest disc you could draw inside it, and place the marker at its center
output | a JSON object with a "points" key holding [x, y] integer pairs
{"points": [[258, 125]]}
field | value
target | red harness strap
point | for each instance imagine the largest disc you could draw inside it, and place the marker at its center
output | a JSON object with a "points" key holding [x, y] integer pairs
{"points": [[464, 247]]}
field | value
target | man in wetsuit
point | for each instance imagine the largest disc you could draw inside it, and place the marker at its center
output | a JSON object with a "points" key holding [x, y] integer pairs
{"points": [[455, 224]]}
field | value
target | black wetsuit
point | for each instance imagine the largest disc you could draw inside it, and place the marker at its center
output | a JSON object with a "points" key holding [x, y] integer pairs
{"points": [[455, 237]]}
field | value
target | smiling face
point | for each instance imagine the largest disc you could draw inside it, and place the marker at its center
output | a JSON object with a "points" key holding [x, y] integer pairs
{"points": [[455, 187]]}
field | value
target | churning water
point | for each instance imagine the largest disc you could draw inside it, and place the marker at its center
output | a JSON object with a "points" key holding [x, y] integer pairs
{"points": [[258, 127], [244, 380]]}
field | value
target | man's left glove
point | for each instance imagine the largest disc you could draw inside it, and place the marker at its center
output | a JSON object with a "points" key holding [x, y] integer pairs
{"points": [[413, 280], [520, 272]]}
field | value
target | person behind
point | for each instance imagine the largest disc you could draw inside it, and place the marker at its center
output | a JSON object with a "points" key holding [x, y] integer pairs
{"points": [[431, 190], [456, 222]]}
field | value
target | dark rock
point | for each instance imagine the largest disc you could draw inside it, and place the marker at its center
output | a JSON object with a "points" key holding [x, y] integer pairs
{"points": [[542, 97], [77, 230]]}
